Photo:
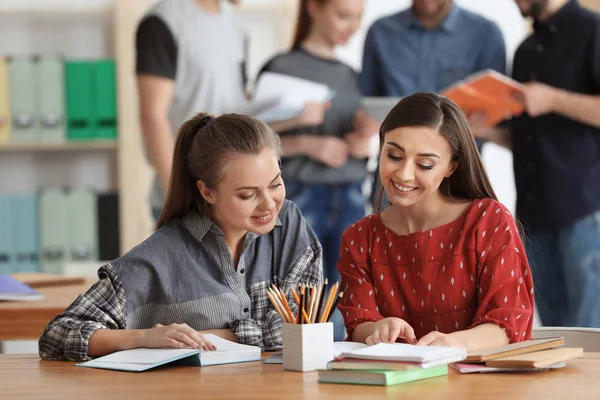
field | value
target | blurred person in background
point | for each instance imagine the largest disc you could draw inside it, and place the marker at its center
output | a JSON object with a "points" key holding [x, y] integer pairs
{"points": [[325, 155], [556, 156], [427, 48], [190, 57]]}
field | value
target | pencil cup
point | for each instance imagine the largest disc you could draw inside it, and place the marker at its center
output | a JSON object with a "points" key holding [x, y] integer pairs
{"points": [[307, 347]]}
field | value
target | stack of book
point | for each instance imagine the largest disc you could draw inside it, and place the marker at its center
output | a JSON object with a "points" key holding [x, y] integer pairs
{"points": [[527, 356], [388, 364]]}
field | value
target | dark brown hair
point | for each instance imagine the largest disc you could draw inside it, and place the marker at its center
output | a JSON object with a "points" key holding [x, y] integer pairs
{"points": [[469, 181], [304, 23], [205, 146]]}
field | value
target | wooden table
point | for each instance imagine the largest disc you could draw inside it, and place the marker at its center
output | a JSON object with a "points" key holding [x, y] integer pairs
{"points": [[25, 320], [25, 376]]}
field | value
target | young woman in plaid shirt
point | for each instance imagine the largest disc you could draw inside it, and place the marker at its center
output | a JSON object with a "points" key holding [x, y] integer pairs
{"points": [[225, 235]]}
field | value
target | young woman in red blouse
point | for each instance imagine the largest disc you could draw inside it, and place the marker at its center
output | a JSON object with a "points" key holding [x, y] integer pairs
{"points": [[443, 264]]}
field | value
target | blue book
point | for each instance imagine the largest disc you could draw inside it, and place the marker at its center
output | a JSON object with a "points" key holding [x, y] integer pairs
{"points": [[14, 290], [138, 360]]}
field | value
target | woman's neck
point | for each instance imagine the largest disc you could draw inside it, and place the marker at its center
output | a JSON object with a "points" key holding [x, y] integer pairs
{"points": [[234, 238], [425, 215], [318, 46], [209, 6]]}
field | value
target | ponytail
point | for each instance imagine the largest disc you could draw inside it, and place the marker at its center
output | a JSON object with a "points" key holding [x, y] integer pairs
{"points": [[183, 193], [303, 24]]}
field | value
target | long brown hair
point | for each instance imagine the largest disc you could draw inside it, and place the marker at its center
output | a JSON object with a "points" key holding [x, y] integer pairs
{"points": [[304, 22], [205, 146], [469, 181]]}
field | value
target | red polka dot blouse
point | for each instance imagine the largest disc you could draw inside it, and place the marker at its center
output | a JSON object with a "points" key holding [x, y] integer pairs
{"points": [[456, 276]]}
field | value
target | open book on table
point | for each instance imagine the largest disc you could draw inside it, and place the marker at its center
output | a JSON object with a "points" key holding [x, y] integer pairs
{"points": [[490, 92], [137, 360]]}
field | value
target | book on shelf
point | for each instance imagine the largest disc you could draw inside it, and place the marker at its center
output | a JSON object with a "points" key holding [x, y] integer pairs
{"points": [[142, 359]]}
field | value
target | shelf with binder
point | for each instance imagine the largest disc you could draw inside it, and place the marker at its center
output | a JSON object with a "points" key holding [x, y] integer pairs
{"points": [[47, 230], [100, 145]]}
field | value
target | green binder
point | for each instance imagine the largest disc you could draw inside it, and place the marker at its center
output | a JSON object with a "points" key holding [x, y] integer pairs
{"points": [[50, 71], [23, 99], [82, 225], [104, 100], [79, 93], [54, 238]]}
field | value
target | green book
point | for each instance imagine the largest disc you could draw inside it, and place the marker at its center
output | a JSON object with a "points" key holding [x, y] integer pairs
{"points": [[381, 378]]}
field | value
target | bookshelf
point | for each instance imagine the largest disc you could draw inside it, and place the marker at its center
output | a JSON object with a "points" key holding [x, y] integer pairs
{"points": [[106, 29]]}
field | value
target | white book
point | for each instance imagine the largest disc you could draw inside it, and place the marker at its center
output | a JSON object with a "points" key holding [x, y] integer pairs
{"points": [[425, 356], [285, 96], [142, 359]]}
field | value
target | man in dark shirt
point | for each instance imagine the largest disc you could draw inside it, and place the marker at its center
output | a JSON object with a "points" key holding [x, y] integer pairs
{"points": [[556, 148]]}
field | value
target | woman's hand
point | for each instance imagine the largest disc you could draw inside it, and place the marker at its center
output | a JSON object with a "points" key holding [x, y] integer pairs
{"points": [[179, 336], [436, 338], [388, 330]]}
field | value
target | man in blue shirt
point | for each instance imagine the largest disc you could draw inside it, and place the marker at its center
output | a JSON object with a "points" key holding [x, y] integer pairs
{"points": [[427, 48], [556, 153]]}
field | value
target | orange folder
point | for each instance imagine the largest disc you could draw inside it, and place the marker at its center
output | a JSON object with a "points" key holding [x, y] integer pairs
{"points": [[490, 92]]}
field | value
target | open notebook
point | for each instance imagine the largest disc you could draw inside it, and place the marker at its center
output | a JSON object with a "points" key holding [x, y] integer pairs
{"points": [[425, 356], [137, 360]]}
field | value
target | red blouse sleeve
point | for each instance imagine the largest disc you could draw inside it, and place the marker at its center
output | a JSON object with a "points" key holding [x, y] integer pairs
{"points": [[359, 304], [504, 279]]}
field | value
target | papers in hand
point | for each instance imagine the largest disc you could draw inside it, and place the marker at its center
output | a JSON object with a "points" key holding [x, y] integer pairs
{"points": [[279, 97], [14, 290], [137, 360]]}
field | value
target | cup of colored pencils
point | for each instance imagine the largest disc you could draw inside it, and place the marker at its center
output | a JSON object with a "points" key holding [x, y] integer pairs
{"points": [[307, 332]]}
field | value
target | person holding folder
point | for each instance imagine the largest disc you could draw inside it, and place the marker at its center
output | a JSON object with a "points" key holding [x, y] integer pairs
{"points": [[444, 263], [225, 236], [556, 150], [325, 164], [190, 57]]}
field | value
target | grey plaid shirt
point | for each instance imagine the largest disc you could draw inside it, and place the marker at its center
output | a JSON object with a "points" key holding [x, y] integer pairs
{"points": [[184, 273]]}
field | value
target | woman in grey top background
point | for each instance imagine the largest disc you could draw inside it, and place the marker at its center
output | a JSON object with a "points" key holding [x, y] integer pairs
{"points": [[325, 165], [225, 235]]}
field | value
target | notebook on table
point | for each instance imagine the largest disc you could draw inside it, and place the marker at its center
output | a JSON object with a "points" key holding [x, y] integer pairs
{"points": [[424, 356], [482, 368], [13, 290], [538, 359], [138, 360], [381, 378], [514, 349]]}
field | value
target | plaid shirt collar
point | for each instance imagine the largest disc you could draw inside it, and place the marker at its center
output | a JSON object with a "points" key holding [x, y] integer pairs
{"points": [[199, 225]]}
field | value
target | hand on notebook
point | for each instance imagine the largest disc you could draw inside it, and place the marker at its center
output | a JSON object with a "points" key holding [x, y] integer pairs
{"points": [[388, 330], [179, 336], [436, 338]]}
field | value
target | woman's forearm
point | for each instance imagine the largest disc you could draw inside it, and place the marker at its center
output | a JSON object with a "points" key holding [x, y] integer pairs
{"points": [[106, 341], [481, 337]]}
